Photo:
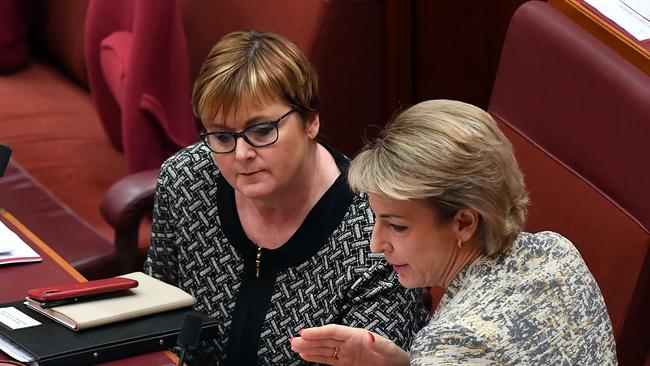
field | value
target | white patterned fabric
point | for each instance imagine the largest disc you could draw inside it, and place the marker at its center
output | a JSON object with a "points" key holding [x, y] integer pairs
{"points": [[535, 304], [324, 274]]}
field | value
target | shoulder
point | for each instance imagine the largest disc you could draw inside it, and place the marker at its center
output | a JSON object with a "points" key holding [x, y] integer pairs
{"points": [[188, 166], [547, 241], [194, 156], [539, 290], [359, 207], [355, 226], [546, 250]]}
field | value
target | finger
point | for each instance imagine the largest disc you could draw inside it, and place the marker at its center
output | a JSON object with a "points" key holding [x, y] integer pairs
{"points": [[333, 331], [300, 344], [319, 359], [319, 351]]}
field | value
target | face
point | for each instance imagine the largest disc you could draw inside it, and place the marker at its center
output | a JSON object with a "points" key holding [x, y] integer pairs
{"points": [[262, 173], [420, 248]]}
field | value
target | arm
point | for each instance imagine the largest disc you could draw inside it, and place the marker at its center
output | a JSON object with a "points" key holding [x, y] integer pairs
{"points": [[340, 345], [161, 260]]}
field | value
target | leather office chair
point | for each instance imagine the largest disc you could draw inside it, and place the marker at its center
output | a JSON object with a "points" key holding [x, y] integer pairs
{"points": [[577, 114]]}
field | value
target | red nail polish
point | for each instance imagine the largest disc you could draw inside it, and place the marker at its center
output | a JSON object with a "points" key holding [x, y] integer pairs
{"points": [[372, 337]]}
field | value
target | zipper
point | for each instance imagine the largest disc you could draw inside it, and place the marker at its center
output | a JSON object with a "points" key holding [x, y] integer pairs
{"points": [[258, 261]]}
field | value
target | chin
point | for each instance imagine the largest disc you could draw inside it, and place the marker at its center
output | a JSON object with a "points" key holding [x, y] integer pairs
{"points": [[405, 282], [255, 191]]}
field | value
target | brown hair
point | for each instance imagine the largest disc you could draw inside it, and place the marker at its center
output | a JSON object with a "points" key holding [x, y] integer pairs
{"points": [[250, 63]]}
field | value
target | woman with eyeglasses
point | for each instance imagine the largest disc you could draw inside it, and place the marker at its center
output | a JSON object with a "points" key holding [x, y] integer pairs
{"points": [[450, 202], [257, 220]]}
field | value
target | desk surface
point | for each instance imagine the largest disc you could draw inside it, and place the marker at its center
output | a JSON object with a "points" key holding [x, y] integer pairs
{"points": [[18, 278]]}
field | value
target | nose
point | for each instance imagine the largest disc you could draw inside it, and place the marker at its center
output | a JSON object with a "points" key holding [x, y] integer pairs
{"points": [[378, 243], [243, 150]]}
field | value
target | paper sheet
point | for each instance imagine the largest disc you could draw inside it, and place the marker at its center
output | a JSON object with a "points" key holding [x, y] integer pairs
{"points": [[640, 6], [14, 351], [631, 15], [13, 249]]}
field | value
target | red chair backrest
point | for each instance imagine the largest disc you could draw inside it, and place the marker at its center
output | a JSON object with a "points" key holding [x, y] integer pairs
{"points": [[578, 115]]}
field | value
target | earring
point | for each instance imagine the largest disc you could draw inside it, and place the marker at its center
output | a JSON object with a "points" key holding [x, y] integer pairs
{"points": [[459, 243]]}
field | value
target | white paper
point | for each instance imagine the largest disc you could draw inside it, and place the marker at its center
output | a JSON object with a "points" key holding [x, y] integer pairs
{"points": [[13, 249], [15, 351], [640, 6], [6, 240], [16, 319], [631, 15]]}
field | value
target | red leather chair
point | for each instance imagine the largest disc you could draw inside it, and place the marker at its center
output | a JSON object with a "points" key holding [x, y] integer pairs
{"points": [[578, 116], [138, 77]]}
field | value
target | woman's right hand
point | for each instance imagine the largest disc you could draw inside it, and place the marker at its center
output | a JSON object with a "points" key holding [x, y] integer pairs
{"points": [[341, 345]]}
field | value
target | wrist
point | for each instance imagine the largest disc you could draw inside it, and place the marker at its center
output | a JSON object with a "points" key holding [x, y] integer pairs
{"points": [[390, 354], [397, 356]]}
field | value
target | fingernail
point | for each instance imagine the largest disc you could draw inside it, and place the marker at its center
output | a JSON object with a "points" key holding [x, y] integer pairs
{"points": [[291, 339], [300, 332], [372, 337]]}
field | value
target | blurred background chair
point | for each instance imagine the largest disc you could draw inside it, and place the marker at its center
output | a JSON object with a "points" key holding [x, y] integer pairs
{"points": [[62, 161]]}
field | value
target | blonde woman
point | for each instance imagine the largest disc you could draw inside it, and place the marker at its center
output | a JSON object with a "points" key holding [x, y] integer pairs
{"points": [[450, 203], [257, 220]]}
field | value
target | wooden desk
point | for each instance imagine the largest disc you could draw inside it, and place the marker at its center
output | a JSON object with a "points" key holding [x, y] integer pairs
{"points": [[18, 278], [638, 53]]}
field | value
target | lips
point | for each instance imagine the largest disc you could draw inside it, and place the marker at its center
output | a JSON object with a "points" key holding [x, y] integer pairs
{"points": [[250, 173], [399, 268]]}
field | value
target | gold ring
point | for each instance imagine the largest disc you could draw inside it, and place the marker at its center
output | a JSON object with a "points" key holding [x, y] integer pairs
{"points": [[336, 352]]}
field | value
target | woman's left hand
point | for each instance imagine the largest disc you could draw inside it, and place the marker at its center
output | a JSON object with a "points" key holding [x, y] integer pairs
{"points": [[340, 345]]}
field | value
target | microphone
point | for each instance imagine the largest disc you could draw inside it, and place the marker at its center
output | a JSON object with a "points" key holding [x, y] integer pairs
{"points": [[188, 337], [5, 153]]}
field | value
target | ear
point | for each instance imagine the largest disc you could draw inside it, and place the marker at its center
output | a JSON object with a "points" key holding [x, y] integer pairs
{"points": [[465, 223], [312, 125]]}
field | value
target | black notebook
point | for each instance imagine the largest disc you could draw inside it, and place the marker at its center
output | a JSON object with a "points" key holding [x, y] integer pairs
{"points": [[52, 344]]}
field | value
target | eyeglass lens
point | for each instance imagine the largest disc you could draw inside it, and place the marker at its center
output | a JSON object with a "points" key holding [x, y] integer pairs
{"points": [[258, 136]]}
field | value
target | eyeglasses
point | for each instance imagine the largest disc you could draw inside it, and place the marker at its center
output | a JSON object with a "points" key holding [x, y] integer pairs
{"points": [[257, 135]]}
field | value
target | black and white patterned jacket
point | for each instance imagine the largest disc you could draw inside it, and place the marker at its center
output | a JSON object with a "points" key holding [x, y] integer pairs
{"points": [[324, 274]]}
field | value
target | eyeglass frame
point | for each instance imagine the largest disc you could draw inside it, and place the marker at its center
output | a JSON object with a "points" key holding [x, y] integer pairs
{"points": [[236, 135]]}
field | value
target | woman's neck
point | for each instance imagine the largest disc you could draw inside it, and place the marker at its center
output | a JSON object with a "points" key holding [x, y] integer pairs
{"points": [[462, 258], [285, 211]]}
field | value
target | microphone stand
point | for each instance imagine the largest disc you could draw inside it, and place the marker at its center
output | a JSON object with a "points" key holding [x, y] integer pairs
{"points": [[189, 335]]}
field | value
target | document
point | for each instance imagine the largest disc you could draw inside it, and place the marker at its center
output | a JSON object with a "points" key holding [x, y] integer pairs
{"points": [[13, 249], [631, 15]]}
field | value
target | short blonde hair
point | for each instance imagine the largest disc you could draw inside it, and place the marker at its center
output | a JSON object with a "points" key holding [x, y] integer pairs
{"points": [[453, 155], [250, 63]]}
